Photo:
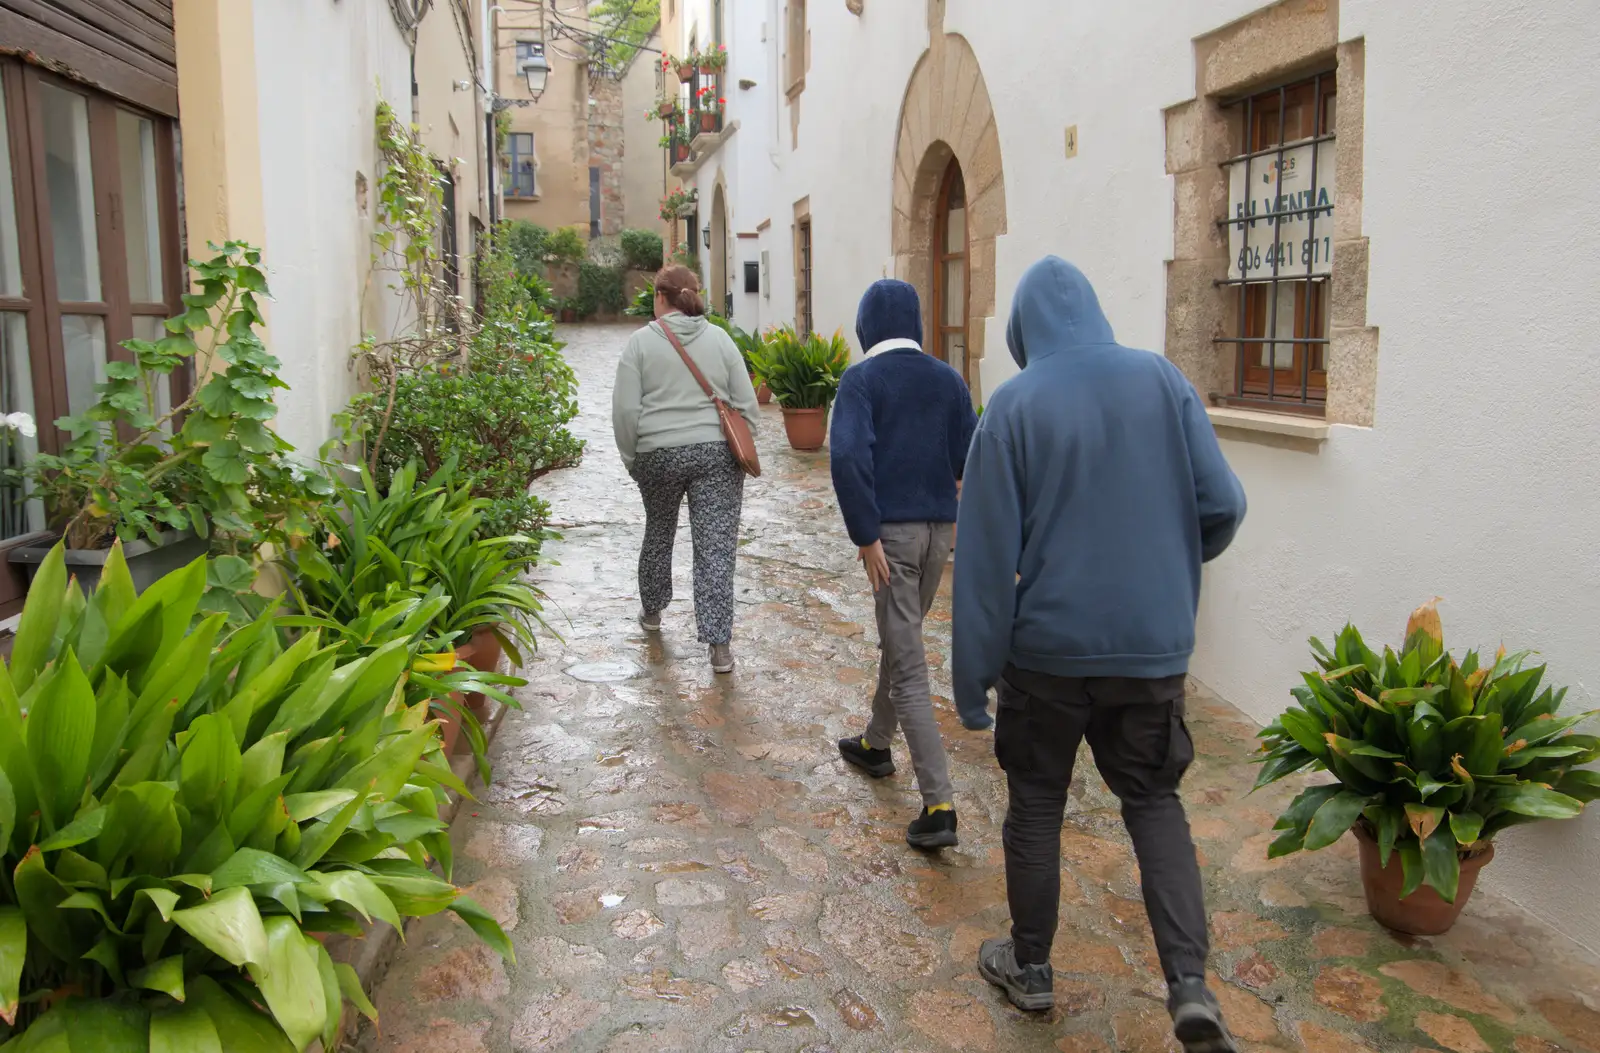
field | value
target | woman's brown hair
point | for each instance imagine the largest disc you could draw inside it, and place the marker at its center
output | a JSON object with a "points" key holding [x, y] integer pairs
{"points": [[680, 287]]}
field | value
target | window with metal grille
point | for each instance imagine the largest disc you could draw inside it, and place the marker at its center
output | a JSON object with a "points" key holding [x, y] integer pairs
{"points": [[802, 305], [522, 180], [1280, 245], [594, 202]]}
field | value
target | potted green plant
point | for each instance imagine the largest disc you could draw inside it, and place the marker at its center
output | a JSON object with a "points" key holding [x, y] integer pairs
{"points": [[172, 481], [644, 303], [679, 203], [1432, 759], [804, 374], [709, 107], [666, 106], [714, 60], [750, 346], [684, 67], [190, 809]]}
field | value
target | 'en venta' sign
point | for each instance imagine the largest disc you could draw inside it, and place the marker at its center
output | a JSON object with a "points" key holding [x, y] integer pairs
{"points": [[1299, 247]]}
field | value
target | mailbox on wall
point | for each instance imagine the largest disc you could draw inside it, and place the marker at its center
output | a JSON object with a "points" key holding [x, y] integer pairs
{"points": [[752, 276]]}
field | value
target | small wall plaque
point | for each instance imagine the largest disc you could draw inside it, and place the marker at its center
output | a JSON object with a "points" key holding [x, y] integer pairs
{"points": [[1072, 141]]}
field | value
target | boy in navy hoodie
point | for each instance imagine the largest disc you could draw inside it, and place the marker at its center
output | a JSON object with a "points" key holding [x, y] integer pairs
{"points": [[1095, 490], [901, 426]]}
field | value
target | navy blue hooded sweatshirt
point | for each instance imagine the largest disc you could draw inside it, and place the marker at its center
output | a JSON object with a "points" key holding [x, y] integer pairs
{"points": [[901, 423], [1094, 491]]}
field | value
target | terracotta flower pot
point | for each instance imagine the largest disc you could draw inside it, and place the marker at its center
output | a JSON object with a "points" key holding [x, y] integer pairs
{"points": [[708, 121], [807, 428], [763, 394], [1424, 912], [680, 153], [685, 72], [483, 653], [666, 109]]}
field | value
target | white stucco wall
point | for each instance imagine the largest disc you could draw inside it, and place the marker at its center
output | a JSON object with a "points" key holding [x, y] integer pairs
{"points": [[320, 67], [1477, 484]]}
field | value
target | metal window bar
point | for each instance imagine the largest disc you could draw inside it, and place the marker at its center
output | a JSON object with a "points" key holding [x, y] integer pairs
{"points": [[1320, 134]]}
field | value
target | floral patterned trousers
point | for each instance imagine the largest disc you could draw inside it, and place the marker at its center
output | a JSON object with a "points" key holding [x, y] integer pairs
{"points": [[711, 478]]}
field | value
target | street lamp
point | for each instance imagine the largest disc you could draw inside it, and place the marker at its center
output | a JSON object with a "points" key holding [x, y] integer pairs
{"points": [[537, 70], [705, 235]]}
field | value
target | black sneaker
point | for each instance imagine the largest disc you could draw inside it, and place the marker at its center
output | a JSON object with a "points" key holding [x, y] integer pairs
{"points": [[1197, 1018], [933, 829], [876, 763], [1030, 987]]}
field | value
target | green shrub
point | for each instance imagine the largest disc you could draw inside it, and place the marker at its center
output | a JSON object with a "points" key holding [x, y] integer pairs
{"points": [[566, 245], [644, 303], [643, 250], [602, 289], [182, 807], [529, 246]]}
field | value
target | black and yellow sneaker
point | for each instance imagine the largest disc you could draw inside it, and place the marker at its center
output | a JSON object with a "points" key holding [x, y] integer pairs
{"points": [[1030, 987], [934, 828], [876, 763]]}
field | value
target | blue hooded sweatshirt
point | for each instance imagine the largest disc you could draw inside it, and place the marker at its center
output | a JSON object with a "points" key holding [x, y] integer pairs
{"points": [[902, 422], [1094, 491]]}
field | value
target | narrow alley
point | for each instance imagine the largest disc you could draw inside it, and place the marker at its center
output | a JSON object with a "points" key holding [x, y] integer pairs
{"points": [[685, 864]]}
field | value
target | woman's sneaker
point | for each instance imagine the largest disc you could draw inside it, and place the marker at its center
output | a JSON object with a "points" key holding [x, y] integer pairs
{"points": [[933, 829], [1030, 987], [1197, 1017], [877, 763], [721, 658], [650, 623]]}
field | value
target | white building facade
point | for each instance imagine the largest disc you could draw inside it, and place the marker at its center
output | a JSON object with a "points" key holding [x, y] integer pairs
{"points": [[1403, 377]]}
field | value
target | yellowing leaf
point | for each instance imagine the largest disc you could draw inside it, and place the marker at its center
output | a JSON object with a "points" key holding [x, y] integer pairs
{"points": [[1425, 619], [442, 662]]}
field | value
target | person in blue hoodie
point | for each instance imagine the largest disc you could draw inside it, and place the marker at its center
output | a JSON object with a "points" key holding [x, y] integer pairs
{"points": [[901, 426], [1095, 489]]}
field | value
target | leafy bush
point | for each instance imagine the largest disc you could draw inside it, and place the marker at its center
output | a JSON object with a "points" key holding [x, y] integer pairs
{"points": [[643, 250], [644, 303], [1432, 758], [567, 245], [601, 289], [177, 817], [529, 246], [801, 372], [224, 473]]}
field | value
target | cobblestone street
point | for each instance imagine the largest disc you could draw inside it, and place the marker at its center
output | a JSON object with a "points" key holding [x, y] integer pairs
{"points": [[684, 864]]}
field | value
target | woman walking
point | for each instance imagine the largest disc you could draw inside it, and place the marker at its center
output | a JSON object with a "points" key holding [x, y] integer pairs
{"points": [[671, 440]]}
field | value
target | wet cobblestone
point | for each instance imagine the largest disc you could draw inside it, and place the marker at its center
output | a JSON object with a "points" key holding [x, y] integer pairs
{"points": [[684, 864]]}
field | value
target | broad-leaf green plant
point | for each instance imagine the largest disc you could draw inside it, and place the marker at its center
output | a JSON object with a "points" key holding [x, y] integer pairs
{"points": [[802, 372], [1432, 757], [182, 809]]}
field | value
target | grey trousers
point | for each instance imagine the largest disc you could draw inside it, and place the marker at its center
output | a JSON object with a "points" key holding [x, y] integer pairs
{"points": [[1142, 748], [917, 553]]}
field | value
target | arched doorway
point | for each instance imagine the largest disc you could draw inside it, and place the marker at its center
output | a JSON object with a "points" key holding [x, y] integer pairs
{"points": [[950, 202], [717, 285], [951, 283]]}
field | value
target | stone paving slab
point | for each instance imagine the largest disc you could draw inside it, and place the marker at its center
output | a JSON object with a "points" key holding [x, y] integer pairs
{"points": [[684, 864]]}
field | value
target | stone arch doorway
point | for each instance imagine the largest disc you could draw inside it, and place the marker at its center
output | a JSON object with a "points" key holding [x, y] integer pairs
{"points": [[947, 126], [717, 286]]}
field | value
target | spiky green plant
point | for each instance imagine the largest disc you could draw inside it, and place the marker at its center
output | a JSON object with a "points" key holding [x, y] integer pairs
{"points": [[802, 372], [182, 807], [1432, 757]]}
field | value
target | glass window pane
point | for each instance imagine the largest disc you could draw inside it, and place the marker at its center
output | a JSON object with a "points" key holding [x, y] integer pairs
{"points": [[10, 262], [83, 337], [69, 183], [955, 351], [954, 293], [17, 514], [141, 205], [1280, 356], [955, 232], [148, 327]]}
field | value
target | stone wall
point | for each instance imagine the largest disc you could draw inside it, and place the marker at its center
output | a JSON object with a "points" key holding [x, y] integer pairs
{"points": [[606, 149]]}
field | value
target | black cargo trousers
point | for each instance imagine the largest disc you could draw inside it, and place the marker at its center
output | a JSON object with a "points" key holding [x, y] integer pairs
{"points": [[1142, 748]]}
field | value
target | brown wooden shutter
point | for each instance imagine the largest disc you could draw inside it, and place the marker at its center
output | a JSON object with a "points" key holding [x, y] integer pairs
{"points": [[123, 47]]}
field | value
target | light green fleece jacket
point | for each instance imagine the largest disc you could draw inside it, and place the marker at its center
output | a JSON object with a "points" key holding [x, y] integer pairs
{"points": [[657, 404]]}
